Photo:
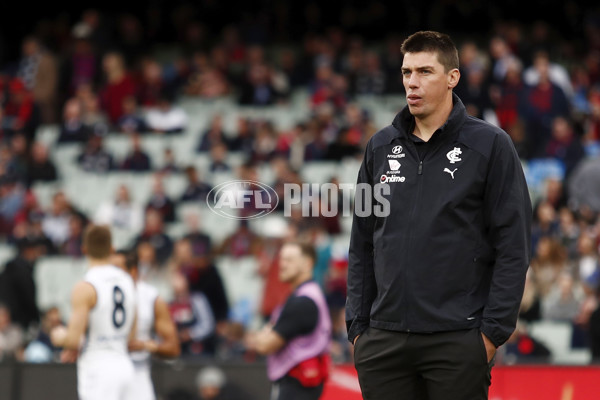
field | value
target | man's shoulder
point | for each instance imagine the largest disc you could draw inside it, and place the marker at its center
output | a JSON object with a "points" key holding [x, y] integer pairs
{"points": [[383, 137], [481, 136]]}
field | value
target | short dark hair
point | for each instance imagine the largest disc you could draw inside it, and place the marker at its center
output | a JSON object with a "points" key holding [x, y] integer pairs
{"points": [[435, 42], [97, 241], [131, 258], [306, 249]]}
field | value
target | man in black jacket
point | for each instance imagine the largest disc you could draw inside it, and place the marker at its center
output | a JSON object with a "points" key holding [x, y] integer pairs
{"points": [[434, 285]]}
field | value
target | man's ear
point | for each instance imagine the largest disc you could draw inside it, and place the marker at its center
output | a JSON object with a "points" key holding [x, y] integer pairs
{"points": [[453, 78]]}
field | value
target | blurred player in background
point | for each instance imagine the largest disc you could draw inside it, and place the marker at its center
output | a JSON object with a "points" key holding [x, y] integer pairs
{"points": [[102, 307], [152, 318]]}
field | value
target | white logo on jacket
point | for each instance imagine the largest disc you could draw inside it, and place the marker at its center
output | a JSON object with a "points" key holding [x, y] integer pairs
{"points": [[450, 172], [397, 149], [394, 165], [453, 155]]}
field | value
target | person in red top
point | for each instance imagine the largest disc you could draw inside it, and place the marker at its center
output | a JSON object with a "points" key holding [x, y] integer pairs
{"points": [[118, 85]]}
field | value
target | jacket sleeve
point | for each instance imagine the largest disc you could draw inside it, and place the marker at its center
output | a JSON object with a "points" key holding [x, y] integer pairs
{"points": [[508, 214], [361, 278]]}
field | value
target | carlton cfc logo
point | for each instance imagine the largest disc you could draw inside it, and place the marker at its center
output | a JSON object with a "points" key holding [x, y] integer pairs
{"points": [[397, 149], [453, 155]]}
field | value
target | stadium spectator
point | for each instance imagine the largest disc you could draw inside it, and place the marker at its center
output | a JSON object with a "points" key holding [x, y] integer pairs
{"points": [[121, 212], [213, 135], [371, 79], [92, 114], [154, 234], [257, 88], [12, 198], [265, 142], [539, 105], [137, 160], [38, 70], [41, 349], [243, 141], [160, 201], [72, 245], [240, 243], [82, 63], [200, 242], [55, 223], [166, 117], [94, 157], [118, 85], [196, 189], [193, 318], [206, 81], [564, 299], [20, 112], [545, 223], [73, 129], [587, 267], [18, 158], [548, 263], [151, 85], [202, 277], [11, 336], [169, 165], [564, 144], [18, 287], [48, 352], [40, 168], [530, 308], [131, 121], [218, 158]]}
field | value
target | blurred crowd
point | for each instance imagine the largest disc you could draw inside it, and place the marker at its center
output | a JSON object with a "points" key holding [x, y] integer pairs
{"points": [[96, 78]]}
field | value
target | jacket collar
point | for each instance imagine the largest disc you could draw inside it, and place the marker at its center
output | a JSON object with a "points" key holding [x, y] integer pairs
{"points": [[404, 120]]}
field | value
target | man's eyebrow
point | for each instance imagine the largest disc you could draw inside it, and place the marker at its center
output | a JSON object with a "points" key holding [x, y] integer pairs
{"points": [[421, 68]]}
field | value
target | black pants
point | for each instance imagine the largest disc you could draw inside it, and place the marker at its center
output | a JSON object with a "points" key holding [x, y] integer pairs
{"points": [[288, 388], [434, 366]]}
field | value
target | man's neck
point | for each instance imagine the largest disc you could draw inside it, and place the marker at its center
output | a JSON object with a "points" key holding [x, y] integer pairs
{"points": [[96, 262], [300, 280]]}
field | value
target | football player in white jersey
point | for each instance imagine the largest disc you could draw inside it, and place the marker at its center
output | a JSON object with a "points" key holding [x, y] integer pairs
{"points": [[153, 320], [103, 308]]}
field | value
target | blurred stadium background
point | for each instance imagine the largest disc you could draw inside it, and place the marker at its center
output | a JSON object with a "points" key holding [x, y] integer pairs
{"points": [[129, 115]]}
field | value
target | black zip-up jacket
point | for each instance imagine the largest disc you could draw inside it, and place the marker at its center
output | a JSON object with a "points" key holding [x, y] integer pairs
{"points": [[454, 250]]}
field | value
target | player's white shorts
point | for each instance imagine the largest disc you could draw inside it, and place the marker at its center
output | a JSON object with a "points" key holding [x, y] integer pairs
{"points": [[141, 387], [105, 377]]}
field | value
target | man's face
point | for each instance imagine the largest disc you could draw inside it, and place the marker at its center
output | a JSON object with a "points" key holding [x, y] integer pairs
{"points": [[425, 81], [291, 263]]}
